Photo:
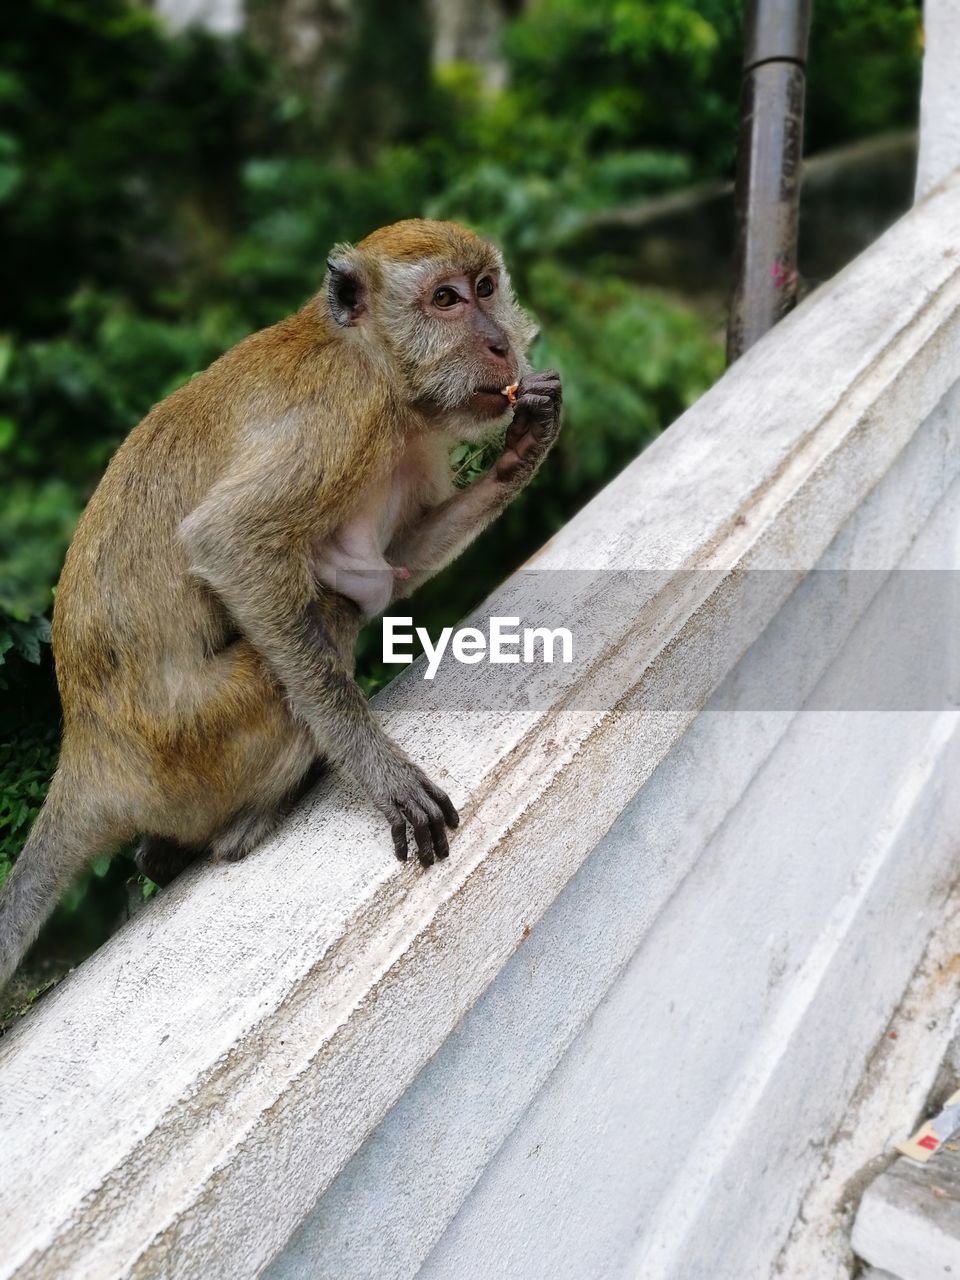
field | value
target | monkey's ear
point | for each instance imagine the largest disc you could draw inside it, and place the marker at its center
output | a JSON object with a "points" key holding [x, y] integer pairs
{"points": [[346, 291]]}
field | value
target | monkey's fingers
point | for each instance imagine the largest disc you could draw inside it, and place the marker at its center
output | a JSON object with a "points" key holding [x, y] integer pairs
{"points": [[545, 375], [538, 408], [532, 422], [445, 815], [398, 829], [438, 834], [423, 834], [546, 383], [540, 385], [426, 808], [409, 813], [450, 815]]}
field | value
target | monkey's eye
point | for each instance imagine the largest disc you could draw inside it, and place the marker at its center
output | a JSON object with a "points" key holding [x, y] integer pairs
{"points": [[485, 286], [445, 297]]}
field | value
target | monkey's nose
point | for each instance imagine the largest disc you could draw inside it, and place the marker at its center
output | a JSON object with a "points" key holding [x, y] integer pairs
{"points": [[497, 349]]}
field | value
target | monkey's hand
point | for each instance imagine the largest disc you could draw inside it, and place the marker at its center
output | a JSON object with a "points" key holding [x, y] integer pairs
{"points": [[535, 426], [404, 794]]}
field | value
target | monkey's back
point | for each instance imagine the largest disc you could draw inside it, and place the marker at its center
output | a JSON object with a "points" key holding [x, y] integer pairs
{"points": [[125, 575], [127, 611], [130, 622]]}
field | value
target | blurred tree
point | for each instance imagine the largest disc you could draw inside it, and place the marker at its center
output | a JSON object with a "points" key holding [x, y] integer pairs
{"points": [[307, 36], [472, 31], [119, 151], [664, 71], [385, 91], [863, 74]]}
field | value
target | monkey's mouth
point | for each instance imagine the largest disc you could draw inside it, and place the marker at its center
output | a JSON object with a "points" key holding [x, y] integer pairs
{"points": [[489, 402]]}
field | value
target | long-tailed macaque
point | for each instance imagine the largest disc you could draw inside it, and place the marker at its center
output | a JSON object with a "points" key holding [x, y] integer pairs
{"points": [[206, 617]]}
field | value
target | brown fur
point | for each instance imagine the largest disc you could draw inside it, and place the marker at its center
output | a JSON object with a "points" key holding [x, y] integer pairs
{"points": [[203, 663], [416, 238], [201, 724]]}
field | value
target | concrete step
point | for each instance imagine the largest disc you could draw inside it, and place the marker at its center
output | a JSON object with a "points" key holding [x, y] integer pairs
{"points": [[908, 1223]]}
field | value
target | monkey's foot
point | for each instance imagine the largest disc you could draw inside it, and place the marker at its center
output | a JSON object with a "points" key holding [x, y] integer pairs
{"points": [[248, 829], [161, 859], [413, 799]]}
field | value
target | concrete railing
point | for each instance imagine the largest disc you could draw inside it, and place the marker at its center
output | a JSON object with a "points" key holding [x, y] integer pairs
{"points": [[671, 927]]}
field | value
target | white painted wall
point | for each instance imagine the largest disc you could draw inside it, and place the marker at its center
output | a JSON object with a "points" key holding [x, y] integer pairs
{"points": [[940, 96], [658, 919]]}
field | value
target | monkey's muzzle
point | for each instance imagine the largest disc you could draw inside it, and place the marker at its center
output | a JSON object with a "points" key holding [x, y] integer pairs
{"points": [[489, 402]]}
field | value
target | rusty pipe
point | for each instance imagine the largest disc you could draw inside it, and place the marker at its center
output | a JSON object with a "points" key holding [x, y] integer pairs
{"points": [[769, 158]]}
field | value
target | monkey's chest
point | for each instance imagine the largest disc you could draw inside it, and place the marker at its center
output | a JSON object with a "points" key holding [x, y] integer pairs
{"points": [[352, 561]]}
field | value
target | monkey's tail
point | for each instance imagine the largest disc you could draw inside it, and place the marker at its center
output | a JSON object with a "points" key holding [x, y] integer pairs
{"points": [[55, 851]]}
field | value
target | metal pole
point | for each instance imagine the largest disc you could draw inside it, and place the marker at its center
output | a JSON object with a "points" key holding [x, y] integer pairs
{"points": [[770, 153]]}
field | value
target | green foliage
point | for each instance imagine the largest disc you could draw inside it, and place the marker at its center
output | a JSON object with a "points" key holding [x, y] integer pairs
{"points": [[632, 362], [26, 764], [531, 214], [593, 77], [665, 71], [36, 522], [100, 373], [864, 70], [29, 726], [23, 636], [120, 150], [296, 207]]}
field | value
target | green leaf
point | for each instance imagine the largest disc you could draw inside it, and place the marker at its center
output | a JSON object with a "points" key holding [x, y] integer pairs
{"points": [[8, 432]]}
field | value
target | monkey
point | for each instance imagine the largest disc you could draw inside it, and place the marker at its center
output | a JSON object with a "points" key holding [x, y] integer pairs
{"points": [[206, 617]]}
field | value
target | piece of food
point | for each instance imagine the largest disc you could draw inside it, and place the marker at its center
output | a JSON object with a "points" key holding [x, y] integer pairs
{"points": [[511, 392]]}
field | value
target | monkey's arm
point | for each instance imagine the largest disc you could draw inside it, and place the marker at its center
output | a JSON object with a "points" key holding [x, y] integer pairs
{"points": [[249, 541], [448, 529]]}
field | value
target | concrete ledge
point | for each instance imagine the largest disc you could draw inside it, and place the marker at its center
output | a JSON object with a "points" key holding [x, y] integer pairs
{"points": [[177, 1106], [601, 1087]]}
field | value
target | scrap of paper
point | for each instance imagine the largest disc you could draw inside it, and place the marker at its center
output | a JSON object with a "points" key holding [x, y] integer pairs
{"points": [[931, 1136]]}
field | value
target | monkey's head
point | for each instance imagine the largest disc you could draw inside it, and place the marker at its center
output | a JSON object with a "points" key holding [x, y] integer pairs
{"points": [[439, 300]]}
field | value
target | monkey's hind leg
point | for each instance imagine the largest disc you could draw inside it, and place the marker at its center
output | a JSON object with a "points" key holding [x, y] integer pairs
{"points": [[251, 825], [249, 828], [161, 859]]}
